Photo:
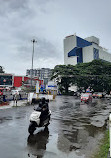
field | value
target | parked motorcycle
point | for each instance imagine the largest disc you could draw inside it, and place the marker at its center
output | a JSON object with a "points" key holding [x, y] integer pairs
{"points": [[35, 120]]}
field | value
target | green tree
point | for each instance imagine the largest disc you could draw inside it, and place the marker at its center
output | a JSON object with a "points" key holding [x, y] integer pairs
{"points": [[64, 75], [1, 69], [95, 74]]}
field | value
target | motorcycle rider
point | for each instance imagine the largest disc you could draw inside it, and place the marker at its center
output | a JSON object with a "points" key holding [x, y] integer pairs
{"points": [[41, 103], [44, 113], [40, 117], [43, 108]]}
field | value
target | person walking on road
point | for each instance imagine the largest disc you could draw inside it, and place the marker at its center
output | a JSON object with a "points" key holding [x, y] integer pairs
{"points": [[15, 98]]}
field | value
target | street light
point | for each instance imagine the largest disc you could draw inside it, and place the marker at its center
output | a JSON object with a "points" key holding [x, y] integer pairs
{"points": [[34, 41]]}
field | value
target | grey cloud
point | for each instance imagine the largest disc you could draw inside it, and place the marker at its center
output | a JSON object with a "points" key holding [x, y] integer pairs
{"points": [[48, 21], [43, 49], [8, 6], [24, 7]]}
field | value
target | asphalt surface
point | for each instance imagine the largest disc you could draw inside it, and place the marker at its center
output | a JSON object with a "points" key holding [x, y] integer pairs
{"points": [[74, 132]]}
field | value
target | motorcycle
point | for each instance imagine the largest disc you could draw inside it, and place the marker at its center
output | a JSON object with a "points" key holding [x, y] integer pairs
{"points": [[36, 122]]}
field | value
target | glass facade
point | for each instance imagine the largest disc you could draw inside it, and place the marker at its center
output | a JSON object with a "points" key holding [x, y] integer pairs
{"points": [[96, 53]]}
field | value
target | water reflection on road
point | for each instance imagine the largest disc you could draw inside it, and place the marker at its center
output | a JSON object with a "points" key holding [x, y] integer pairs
{"points": [[74, 131], [79, 125], [37, 143]]}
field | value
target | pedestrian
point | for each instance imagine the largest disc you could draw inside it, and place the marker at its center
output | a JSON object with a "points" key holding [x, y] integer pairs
{"points": [[15, 98]]}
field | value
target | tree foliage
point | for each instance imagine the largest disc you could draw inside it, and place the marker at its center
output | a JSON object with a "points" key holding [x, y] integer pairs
{"points": [[95, 74], [63, 74], [1, 69]]}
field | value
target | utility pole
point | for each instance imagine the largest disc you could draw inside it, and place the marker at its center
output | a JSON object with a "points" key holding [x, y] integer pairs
{"points": [[34, 41]]}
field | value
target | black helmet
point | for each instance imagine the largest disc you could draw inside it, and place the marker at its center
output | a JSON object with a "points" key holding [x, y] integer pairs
{"points": [[43, 100]]}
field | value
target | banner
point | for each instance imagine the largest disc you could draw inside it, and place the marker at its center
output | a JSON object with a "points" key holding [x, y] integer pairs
{"points": [[37, 87]]}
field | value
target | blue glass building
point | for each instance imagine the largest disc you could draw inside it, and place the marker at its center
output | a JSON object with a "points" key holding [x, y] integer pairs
{"points": [[79, 50]]}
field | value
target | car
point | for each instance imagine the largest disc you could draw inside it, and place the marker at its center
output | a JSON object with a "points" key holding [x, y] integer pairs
{"points": [[1, 92], [98, 95], [95, 94], [86, 97]]}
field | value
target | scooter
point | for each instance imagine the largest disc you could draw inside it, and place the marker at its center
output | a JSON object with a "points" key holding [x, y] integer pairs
{"points": [[35, 120]]}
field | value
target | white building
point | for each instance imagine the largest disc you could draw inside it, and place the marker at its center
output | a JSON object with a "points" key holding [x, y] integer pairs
{"points": [[43, 73], [78, 50]]}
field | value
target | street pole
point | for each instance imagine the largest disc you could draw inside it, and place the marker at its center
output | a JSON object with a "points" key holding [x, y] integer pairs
{"points": [[32, 60]]}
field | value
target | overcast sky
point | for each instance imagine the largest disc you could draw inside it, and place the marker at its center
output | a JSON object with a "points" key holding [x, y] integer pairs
{"points": [[49, 22]]}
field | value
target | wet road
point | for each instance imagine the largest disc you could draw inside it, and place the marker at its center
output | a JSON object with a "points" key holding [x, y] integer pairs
{"points": [[74, 131]]}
